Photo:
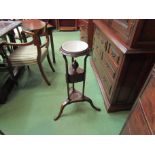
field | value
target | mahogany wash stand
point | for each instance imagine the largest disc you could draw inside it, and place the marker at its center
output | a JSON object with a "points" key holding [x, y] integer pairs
{"points": [[74, 73]]}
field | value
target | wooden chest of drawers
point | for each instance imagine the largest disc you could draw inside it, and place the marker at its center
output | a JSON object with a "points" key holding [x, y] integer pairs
{"points": [[141, 120], [121, 70]]}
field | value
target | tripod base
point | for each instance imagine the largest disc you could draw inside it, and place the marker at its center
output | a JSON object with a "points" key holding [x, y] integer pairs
{"points": [[75, 96]]}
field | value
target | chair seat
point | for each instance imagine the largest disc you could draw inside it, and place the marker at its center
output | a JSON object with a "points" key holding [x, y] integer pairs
{"points": [[26, 55]]}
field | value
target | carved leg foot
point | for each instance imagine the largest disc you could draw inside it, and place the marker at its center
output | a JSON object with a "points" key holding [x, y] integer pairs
{"points": [[92, 105], [61, 109], [1, 133], [43, 74], [28, 67]]}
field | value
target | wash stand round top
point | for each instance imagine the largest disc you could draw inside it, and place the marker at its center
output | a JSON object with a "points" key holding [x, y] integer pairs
{"points": [[74, 48]]}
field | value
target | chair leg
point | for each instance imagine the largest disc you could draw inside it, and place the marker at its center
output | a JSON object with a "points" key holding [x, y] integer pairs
{"points": [[8, 47], [50, 63], [19, 34], [43, 74], [52, 46], [23, 37], [28, 67], [10, 69]]}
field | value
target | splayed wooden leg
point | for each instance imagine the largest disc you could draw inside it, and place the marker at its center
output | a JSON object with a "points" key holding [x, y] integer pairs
{"points": [[61, 109]]}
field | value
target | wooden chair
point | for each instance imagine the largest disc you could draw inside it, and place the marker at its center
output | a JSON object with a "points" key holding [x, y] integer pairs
{"points": [[28, 53], [50, 28]]}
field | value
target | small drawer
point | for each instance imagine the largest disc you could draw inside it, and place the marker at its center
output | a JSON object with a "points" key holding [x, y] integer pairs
{"points": [[97, 64], [109, 68], [106, 82], [103, 44], [98, 53], [98, 50], [114, 54]]}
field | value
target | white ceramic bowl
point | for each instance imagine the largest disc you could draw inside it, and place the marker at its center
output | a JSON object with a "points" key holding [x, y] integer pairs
{"points": [[74, 46]]}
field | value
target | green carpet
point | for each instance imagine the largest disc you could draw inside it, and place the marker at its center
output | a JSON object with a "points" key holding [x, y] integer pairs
{"points": [[32, 105]]}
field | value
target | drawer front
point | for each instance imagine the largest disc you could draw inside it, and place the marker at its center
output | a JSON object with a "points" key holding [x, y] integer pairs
{"points": [[97, 63], [102, 75], [97, 51], [114, 54], [103, 42], [106, 81], [109, 67], [97, 44], [148, 101], [107, 84], [96, 36]]}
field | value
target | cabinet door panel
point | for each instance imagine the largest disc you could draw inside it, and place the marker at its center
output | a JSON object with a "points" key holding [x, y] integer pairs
{"points": [[106, 81], [125, 29], [137, 123], [148, 102], [114, 54], [109, 68], [126, 130]]}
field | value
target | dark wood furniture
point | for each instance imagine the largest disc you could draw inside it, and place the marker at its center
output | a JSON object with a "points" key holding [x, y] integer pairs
{"points": [[50, 21], [123, 55], [34, 25], [74, 73], [6, 83], [66, 24], [141, 120], [7, 26], [83, 26], [29, 53], [86, 30]]}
